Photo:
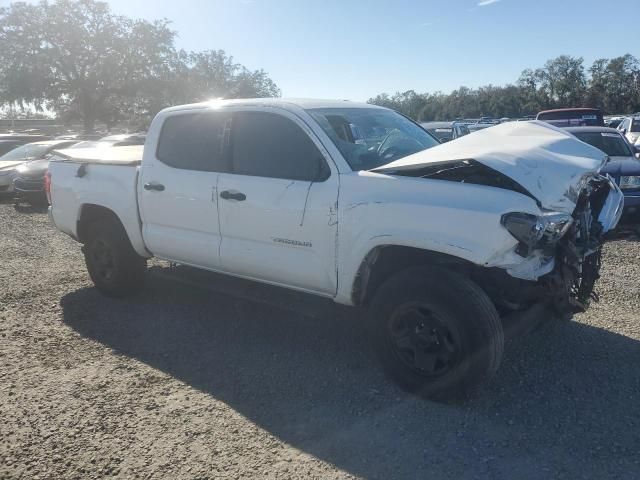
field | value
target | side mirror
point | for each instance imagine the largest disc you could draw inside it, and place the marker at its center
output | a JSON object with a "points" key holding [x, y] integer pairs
{"points": [[624, 131]]}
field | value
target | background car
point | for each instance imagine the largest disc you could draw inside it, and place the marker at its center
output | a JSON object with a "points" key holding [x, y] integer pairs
{"points": [[572, 117], [125, 139], [630, 128], [445, 131], [24, 137], [22, 154], [8, 145], [613, 121], [122, 140], [28, 183], [623, 164], [483, 122]]}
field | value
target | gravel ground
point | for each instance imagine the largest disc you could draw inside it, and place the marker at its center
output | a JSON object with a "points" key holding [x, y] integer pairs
{"points": [[190, 382]]}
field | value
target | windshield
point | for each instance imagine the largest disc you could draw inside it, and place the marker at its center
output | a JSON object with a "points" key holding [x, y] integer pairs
{"points": [[610, 143], [371, 137], [31, 150]]}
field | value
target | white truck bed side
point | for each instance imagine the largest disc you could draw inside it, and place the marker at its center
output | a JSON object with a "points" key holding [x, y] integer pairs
{"points": [[106, 177]]}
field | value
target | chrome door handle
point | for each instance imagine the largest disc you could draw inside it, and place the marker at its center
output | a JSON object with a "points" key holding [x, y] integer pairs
{"points": [[227, 195], [158, 187]]}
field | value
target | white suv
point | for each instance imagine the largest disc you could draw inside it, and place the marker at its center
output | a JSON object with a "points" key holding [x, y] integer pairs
{"points": [[630, 128]]}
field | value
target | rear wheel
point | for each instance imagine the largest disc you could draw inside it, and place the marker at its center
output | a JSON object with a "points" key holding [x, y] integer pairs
{"points": [[113, 265], [436, 332]]}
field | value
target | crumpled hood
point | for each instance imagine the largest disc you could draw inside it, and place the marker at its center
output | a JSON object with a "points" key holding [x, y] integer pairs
{"points": [[547, 161]]}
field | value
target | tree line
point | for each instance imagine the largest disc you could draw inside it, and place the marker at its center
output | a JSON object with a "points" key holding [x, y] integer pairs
{"points": [[79, 60], [613, 85]]}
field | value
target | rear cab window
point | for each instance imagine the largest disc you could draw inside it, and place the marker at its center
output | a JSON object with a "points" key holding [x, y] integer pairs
{"points": [[195, 141]]}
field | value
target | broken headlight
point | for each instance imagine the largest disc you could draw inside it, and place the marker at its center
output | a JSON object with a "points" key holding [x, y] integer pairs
{"points": [[536, 231]]}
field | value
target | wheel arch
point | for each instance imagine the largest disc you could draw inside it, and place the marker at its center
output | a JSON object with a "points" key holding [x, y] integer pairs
{"points": [[91, 212], [383, 261]]}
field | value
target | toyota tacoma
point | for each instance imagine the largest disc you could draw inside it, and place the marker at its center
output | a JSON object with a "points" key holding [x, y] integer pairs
{"points": [[437, 242]]}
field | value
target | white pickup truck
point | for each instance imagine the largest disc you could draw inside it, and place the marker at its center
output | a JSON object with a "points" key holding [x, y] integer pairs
{"points": [[437, 241]]}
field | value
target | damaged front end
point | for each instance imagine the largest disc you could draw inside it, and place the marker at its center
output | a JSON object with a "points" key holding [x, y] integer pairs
{"points": [[579, 252], [569, 245]]}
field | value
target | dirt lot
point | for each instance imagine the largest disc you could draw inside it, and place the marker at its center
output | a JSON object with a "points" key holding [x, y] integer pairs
{"points": [[191, 382]]}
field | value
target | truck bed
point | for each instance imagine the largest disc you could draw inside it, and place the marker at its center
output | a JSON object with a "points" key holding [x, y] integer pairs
{"points": [[105, 177]]}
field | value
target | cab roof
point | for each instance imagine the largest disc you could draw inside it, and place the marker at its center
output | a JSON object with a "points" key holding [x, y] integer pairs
{"points": [[303, 103]]}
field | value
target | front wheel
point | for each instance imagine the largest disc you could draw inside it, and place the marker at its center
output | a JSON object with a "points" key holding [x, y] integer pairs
{"points": [[113, 265], [437, 333]]}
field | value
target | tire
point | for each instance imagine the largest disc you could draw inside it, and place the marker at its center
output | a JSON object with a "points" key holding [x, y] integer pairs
{"points": [[436, 332], [113, 265]]}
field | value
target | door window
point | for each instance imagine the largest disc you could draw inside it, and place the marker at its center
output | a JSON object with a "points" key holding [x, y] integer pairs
{"points": [[270, 145], [195, 141]]}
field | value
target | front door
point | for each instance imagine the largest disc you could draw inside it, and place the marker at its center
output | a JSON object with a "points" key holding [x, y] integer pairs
{"points": [[277, 206]]}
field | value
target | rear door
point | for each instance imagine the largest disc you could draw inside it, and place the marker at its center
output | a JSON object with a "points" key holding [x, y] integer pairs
{"points": [[177, 188], [277, 207]]}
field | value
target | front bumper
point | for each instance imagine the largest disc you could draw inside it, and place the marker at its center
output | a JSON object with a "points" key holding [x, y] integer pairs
{"points": [[28, 185], [571, 267], [579, 252], [6, 182]]}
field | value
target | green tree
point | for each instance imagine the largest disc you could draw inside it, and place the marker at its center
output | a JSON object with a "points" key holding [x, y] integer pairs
{"points": [[564, 81], [627, 69], [76, 57], [613, 85], [188, 77], [80, 60]]}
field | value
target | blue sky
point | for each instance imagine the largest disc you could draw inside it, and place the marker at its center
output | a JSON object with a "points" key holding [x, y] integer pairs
{"points": [[355, 49]]}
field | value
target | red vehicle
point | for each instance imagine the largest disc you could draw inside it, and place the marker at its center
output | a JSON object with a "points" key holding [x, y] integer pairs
{"points": [[572, 117]]}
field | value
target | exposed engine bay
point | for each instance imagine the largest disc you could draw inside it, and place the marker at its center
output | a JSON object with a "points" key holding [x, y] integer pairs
{"points": [[579, 252], [575, 256]]}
